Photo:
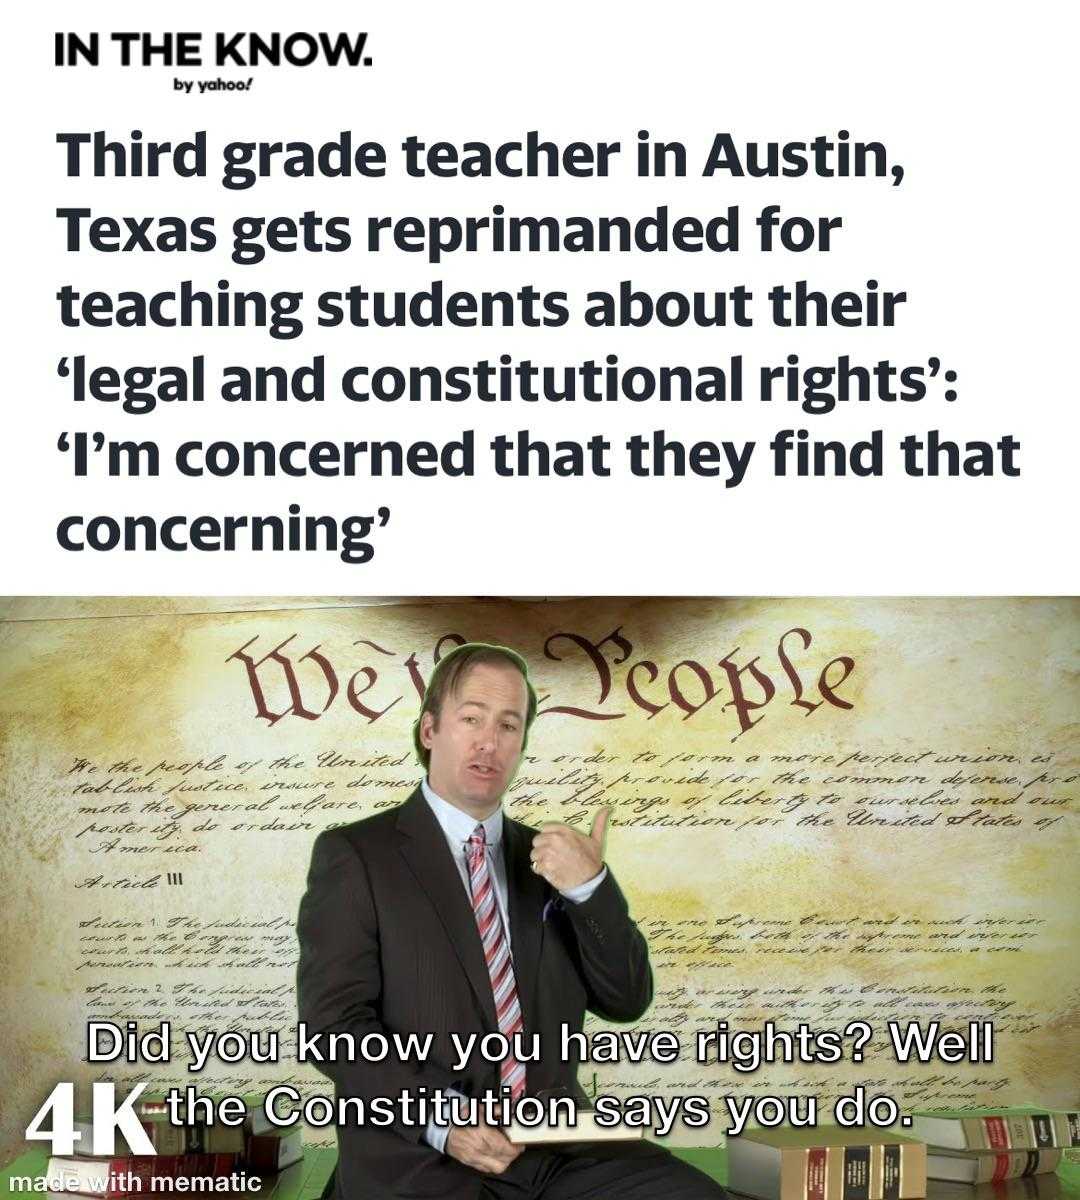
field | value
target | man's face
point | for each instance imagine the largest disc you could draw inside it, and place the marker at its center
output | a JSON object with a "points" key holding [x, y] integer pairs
{"points": [[476, 745]]}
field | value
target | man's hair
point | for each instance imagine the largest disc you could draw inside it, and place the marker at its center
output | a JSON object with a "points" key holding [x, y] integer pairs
{"points": [[450, 674]]}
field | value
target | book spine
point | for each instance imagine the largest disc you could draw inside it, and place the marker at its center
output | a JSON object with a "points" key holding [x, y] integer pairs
{"points": [[167, 1139], [117, 1168], [223, 1139], [815, 1176], [912, 1170], [1042, 1128], [221, 1164], [1067, 1128], [1021, 1132], [1049, 1160], [996, 1168], [127, 1176], [266, 1152], [190, 1165], [890, 1172], [142, 1169], [855, 1177], [166, 1166], [1032, 1131], [995, 1134]]}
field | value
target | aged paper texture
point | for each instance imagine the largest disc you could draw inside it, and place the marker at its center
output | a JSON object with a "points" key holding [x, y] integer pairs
{"points": [[825, 811]]}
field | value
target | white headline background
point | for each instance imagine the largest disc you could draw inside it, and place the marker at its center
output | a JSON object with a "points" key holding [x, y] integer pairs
{"points": [[976, 103]]}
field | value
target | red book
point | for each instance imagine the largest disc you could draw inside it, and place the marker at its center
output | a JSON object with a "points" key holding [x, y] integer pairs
{"points": [[274, 1152]]}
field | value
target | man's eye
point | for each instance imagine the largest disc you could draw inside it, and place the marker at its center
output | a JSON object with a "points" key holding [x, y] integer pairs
{"points": [[510, 726]]}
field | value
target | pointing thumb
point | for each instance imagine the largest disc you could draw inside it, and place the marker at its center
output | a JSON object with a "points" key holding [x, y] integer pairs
{"points": [[599, 827]]}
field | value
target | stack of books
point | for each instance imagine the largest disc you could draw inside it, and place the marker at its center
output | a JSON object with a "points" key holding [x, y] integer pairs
{"points": [[266, 1148], [180, 1152], [826, 1163], [992, 1146]]}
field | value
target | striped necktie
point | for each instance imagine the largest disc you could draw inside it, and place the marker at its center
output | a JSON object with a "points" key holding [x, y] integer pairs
{"points": [[497, 953]]}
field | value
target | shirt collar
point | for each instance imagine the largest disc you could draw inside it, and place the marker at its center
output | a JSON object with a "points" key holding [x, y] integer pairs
{"points": [[458, 826]]}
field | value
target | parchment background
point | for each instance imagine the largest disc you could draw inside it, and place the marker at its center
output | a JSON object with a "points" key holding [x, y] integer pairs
{"points": [[149, 681]]}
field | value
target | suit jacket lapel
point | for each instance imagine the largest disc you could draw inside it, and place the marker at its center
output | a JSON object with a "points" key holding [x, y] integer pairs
{"points": [[527, 894], [425, 851]]}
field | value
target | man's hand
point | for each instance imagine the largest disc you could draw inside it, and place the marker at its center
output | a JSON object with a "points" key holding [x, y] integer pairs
{"points": [[566, 857], [482, 1147]]}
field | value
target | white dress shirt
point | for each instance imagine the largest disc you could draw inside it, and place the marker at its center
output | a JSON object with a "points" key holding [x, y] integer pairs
{"points": [[458, 827]]}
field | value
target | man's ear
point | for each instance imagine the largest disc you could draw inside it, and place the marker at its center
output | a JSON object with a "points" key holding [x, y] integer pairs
{"points": [[427, 725]]}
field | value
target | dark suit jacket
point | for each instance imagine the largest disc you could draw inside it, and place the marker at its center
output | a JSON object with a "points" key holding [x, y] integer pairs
{"points": [[388, 942]]}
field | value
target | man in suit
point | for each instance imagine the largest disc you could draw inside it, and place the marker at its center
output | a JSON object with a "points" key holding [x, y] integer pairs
{"points": [[445, 916]]}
